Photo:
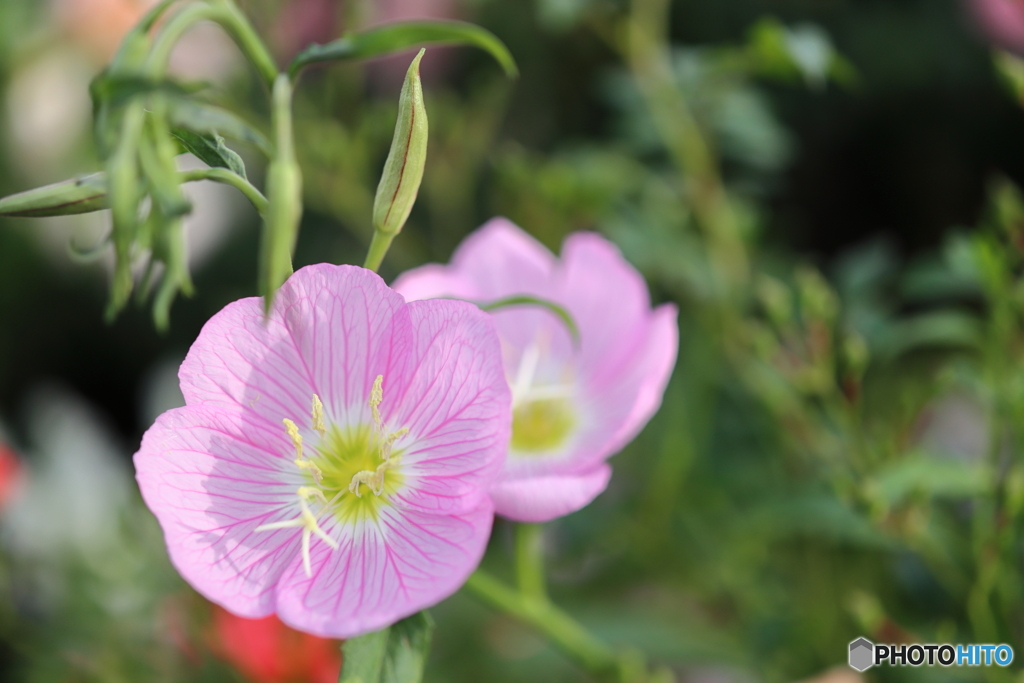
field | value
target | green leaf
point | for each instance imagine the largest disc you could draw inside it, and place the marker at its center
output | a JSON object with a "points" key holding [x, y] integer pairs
{"points": [[931, 476], [524, 300], [199, 117], [211, 150], [78, 195], [364, 657], [116, 89], [408, 649], [390, 38], [397, 654]]}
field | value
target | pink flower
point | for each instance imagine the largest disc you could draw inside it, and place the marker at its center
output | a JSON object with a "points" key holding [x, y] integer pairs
{"points": [[572, 408], [1002, 21], [331, 464]]}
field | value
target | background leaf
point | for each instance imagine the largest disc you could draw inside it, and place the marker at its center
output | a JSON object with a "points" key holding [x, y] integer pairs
{"points": [[211, 150], [400, 36], [200, 117]]}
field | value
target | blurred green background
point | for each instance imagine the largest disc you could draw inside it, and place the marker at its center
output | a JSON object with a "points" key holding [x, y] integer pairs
{"points": [[826, 188]]}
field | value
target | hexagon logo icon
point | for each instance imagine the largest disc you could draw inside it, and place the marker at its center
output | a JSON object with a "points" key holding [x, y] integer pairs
{"points": [[862, 653]]}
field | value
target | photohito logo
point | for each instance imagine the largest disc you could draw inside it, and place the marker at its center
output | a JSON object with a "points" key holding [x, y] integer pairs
{"points": [[864, 654]]}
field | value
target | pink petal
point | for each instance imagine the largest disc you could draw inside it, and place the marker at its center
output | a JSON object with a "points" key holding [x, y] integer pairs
{"points": [[456, 404], [628, 403], [494, 261], [332, 331], [407, 562], [211, 476], [608, 300], [543, 498]]}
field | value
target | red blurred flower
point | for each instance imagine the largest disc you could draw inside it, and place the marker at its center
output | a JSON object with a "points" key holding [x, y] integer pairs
{"points": [[1002, 22], [10, 473], [267, 651]]}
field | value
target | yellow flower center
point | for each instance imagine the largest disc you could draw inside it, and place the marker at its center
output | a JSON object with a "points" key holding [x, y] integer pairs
{"points": [[341, 465], [541, 425], [354, 475]]}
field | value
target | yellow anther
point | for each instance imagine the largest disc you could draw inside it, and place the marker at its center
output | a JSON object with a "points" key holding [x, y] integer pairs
{"points": [[385, 447], [318, 475], [293, 431], [376, 397], [318, 416], [309, 493]]}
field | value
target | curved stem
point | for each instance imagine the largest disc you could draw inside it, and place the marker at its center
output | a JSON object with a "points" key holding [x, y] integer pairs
{"points": [[171, 32], [540, 614], [231, 19], [378, 247], [237, 24], [222, 175]]}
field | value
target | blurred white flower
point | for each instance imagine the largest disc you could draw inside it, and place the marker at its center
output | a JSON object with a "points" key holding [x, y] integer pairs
{"points": [[48, 113], [77, 483]]}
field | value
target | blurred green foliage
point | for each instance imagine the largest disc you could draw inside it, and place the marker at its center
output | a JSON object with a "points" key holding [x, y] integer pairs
{"points": [[838, 453]]}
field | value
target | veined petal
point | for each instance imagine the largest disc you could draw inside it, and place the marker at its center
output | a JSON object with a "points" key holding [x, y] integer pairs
{"points": [[211, 476], [332, 462], [456, 403], [405, 562], [333, 330]]}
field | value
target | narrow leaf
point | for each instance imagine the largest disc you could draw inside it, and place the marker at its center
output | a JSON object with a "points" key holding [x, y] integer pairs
{"points": [[78, 195], [399, 36], [210, 149], [364, 657], [199, 117]]}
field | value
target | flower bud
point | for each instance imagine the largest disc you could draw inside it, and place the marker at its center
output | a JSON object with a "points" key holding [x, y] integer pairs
{"points": [[403, 170], [78, 195]]}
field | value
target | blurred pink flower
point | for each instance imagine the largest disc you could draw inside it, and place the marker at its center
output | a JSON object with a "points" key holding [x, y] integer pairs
{"points": [[1002, 21], [301, 22], [572, 408], [267, 651], [10, 474], [331, 463]]}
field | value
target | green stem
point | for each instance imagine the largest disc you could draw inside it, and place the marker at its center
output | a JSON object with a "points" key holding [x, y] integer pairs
{"points": [[237, 24], [222, 175], [378, 247], [545, 618], [231, 19], [648, 55], [530, 560], [171, 33]]}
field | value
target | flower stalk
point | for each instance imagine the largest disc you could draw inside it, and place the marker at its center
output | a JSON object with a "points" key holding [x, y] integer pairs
{"points": [[530, 605]]}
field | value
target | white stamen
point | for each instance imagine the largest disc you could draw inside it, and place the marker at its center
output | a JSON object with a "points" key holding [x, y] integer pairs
{"points": [[524, 373], [308, 521]]}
